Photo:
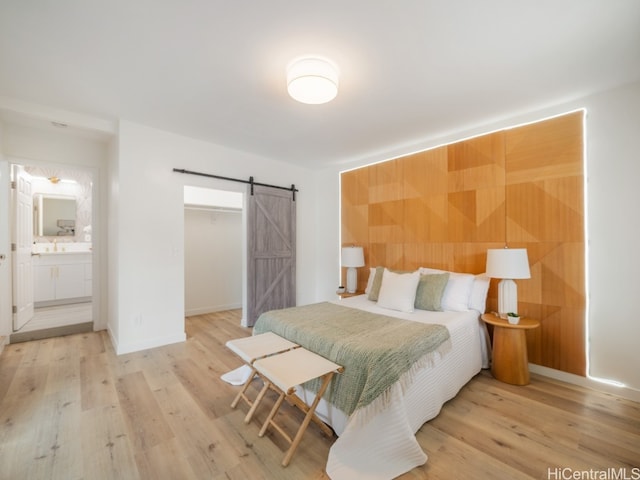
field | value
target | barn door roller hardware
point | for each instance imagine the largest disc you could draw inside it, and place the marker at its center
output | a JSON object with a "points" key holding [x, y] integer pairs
{"points": [[250, 182]]}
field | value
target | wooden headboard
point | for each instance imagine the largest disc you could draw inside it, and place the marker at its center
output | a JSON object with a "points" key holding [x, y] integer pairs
{"points": [[444, 207]]}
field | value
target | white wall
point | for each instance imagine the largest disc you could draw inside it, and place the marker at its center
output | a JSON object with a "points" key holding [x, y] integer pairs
{"points": [[613, 170], [113, 234], [42, 147], [212, 260], [147, 227], [327, 217], [5, 244], [613, 127]]}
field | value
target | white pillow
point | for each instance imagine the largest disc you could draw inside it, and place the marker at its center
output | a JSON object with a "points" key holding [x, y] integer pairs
{"points": [[457, 293], [479, 291], [398, 290]]}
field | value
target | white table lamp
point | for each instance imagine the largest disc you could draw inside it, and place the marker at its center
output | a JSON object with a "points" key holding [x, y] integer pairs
{"points": [[507, 264], [352, 257]]}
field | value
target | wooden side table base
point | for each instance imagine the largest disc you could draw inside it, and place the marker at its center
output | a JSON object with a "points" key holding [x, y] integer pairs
{"points": [[510, 363]]}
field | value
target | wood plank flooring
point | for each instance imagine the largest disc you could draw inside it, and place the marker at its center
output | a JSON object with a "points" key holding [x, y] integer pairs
{"points": [[71, 409]]}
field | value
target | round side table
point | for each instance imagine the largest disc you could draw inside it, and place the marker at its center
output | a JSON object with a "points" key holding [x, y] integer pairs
{"points": [[509, 361]]}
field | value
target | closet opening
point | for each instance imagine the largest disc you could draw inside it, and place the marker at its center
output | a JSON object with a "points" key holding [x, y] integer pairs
{"points": [[214, 248]]}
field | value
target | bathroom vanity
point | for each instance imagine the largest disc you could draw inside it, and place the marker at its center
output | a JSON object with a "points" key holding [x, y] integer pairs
{"points": [[62, 274]]}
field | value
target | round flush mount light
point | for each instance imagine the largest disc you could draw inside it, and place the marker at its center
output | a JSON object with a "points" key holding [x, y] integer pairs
{"points": [[312, 80]]}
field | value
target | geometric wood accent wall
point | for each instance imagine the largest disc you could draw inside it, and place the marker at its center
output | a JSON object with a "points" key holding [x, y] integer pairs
{"points": [[444, 207]]}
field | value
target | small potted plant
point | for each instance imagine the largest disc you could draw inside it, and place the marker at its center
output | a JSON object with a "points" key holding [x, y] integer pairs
{"points": [[513, 318]]}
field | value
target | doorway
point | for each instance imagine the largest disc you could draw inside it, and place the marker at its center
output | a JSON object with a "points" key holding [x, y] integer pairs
{"points": [[267, 245], [214, 250], [61, 253]]}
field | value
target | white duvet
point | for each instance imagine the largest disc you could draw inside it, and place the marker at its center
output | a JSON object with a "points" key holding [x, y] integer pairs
{"points": [[385, 446]]}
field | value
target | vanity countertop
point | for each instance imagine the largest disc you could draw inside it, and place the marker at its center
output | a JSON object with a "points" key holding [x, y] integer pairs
{"points": [[60, 248], [60, 252]]}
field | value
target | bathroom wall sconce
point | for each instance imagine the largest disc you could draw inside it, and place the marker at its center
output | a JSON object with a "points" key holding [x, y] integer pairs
{"points": [[56, 180]]}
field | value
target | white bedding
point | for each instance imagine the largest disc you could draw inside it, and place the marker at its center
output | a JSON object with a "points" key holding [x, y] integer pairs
{"points": [[385, 446]]}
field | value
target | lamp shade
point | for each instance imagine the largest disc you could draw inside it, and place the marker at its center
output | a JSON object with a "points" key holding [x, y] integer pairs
{"points": [[312, 80], [509, 263], [352, 257]]}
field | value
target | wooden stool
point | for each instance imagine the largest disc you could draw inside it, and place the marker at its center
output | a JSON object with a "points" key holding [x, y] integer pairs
{"points": [[283, 372], [250, 349]]}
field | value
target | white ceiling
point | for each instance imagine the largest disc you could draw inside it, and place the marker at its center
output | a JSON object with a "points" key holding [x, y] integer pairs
{"points": [[215, 69]]}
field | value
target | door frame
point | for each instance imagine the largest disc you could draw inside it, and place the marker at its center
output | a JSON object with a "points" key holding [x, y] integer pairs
{"points": [[6, 317]]}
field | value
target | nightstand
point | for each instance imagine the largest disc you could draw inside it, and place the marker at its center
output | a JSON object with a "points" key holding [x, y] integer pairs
{"points": [[347, 295], [509, 361]]}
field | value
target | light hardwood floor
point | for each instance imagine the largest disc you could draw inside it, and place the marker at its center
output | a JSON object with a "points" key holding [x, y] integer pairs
{"points": [[70, 409]]}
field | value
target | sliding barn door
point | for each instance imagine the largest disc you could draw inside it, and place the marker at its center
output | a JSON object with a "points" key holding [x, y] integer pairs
{"points": [[271, 243]]}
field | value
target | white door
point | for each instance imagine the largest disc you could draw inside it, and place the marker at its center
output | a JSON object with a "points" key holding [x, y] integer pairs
{"points": [[21, 247]]}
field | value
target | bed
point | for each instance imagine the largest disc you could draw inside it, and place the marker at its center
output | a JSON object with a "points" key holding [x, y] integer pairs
{"points": [[378, 441]]}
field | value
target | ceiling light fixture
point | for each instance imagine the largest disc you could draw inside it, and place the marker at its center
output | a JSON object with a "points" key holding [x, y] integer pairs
{"points": [[312, 80]]}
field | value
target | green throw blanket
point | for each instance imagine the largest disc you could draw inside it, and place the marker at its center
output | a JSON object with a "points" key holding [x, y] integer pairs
{"points": [[375, 350]]}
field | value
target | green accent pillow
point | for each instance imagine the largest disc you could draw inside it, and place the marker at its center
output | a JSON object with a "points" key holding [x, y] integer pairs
{"points": [[377, 283], [430, 290]]}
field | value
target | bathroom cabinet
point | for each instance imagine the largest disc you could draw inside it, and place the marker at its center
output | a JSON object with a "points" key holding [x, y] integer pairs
{"points": [[62, 277]]}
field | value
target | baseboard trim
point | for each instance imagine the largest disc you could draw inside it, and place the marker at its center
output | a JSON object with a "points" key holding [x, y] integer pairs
{"points": [[625, 392], [124, 348], [51, 332], [211, 309]]}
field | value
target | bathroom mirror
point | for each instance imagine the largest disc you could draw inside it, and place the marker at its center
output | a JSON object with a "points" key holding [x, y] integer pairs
{"points": [[54, 215]]}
